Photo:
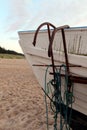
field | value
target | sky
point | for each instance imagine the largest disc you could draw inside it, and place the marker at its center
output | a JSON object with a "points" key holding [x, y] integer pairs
{"points": [[21, 15]]}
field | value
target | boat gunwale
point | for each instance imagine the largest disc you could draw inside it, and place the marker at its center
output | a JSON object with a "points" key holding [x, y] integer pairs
{"points": [[84, 28]]}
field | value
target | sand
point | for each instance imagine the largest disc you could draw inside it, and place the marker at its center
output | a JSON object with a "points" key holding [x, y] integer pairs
{"points": [[22, 104]]}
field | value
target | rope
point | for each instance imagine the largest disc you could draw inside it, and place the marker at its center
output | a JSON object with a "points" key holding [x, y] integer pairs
{"points": [[60, 102]]}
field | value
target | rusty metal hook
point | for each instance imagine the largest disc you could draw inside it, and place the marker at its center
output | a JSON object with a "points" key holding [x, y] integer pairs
{"points": [[50, 51], [48, 27], [53, 35], [49, 35]]}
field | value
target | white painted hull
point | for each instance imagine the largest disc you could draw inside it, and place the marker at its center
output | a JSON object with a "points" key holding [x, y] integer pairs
{"points": [[76, 40]]}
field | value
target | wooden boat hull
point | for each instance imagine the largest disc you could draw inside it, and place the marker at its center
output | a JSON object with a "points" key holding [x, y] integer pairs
{"points": [[77, 54]]}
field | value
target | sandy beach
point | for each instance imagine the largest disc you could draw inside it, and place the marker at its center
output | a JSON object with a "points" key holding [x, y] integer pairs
{"points": [[21, 98]]}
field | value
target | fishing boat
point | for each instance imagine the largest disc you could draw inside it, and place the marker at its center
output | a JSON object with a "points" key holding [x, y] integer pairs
{"points": [[61, 47]]}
